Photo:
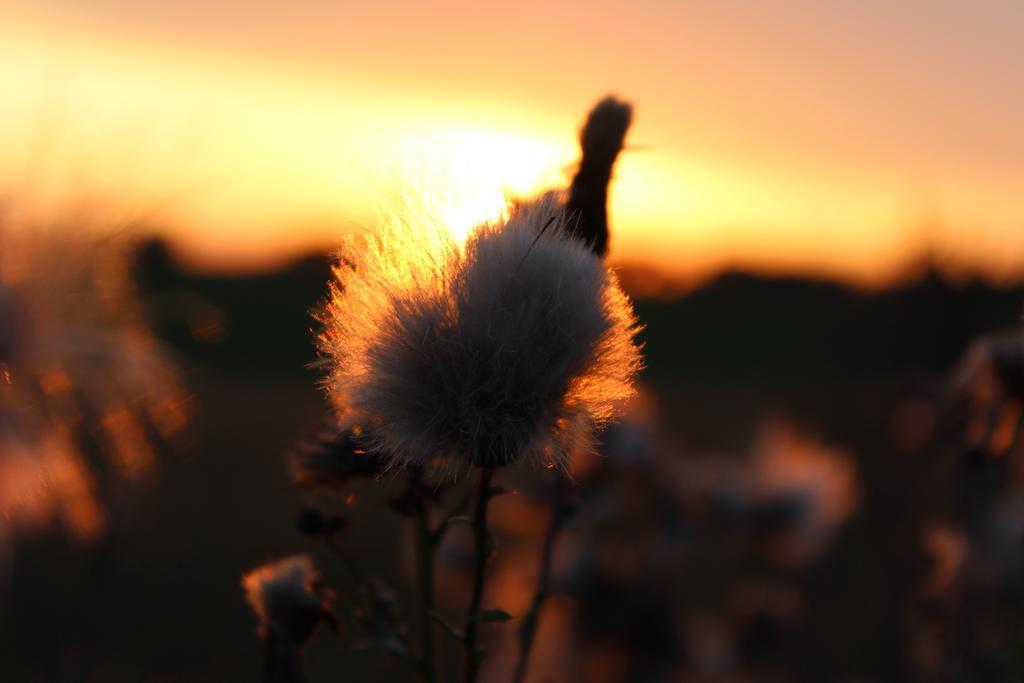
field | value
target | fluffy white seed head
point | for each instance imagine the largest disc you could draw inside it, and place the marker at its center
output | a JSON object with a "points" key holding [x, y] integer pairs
{"points": [[515, 346], [285, 597]]}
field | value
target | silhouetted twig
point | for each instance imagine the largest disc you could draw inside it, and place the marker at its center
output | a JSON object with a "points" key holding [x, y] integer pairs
{"points": [[283, 660], [482, 547], [424, 544], [528, 629], [437, 535]]}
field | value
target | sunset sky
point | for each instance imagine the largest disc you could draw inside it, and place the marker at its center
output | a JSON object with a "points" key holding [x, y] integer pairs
{"points": [[836, 138]]}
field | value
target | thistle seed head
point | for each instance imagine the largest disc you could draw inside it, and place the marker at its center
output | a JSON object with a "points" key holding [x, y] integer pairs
{"points": [[513, 347], [288, 598]]}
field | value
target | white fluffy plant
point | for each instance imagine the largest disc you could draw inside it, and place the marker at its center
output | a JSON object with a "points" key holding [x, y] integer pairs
{"points": [[445, 357], [290, 601], [514, 347]]}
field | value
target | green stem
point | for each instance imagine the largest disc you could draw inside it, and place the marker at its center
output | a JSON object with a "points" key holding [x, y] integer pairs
{"points": [[482, 552], [425, 605], [529, 626]]}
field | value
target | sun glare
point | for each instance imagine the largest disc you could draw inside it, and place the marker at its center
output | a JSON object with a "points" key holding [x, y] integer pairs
{"points": [[250, 164], [465, 177]]}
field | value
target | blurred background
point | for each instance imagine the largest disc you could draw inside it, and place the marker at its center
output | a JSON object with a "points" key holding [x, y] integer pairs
{"points": [[818, 215]]}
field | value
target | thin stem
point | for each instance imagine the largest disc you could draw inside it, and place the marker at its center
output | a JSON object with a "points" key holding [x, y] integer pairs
{"points": [[529, 626], [437, 535], [482, 552], [425, 604], [365, 586], [283, 663]]}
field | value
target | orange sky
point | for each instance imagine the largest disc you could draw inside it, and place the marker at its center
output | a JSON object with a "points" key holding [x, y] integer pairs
{"points": [[832, 138]]}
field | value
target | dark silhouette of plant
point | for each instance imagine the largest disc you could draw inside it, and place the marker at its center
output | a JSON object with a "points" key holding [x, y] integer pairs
{"points": [[601, 141]]}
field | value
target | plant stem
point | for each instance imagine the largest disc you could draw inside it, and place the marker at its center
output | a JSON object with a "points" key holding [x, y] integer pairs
{"points": [[482, 552], [283, 663], [437, 535], [425, 604], [529, 626]]}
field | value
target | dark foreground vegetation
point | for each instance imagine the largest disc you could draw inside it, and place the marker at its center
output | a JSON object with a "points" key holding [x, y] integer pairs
{"points": [[801, 493]]}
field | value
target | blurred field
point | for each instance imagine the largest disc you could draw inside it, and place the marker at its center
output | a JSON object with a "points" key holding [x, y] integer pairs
{"points": [[157, 598]]}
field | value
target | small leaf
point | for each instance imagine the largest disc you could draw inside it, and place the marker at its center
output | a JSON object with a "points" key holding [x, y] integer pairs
{"points": [[495, 616]]}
